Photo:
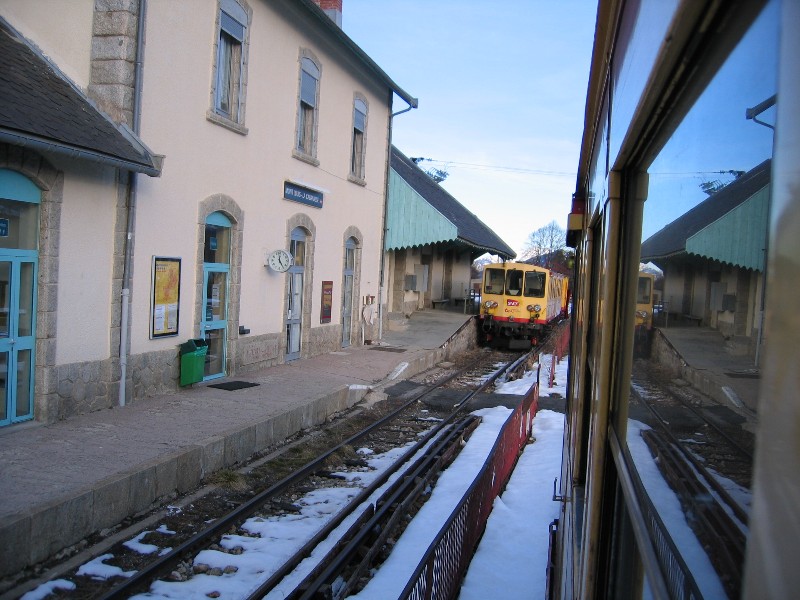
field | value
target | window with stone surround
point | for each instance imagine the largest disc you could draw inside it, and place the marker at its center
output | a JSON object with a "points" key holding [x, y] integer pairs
{"points": [[307, 111], [358, 145], [230, 76]]}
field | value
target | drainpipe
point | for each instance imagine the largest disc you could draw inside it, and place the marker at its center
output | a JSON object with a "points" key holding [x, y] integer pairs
{"points": [[753, 113], [131, 213], [414, 103]]}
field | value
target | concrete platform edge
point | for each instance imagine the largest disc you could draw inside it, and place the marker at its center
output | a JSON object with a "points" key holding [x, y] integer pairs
{"points": [[34, 536]]}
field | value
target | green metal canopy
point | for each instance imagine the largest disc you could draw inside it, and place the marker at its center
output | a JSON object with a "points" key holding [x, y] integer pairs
{"points": [[739, 237], [420, 212], [412, 221]]}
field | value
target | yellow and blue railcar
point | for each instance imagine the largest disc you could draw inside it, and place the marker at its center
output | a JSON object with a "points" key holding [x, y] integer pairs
{"points": [[644, 300], [518, 302], [645, 290]]}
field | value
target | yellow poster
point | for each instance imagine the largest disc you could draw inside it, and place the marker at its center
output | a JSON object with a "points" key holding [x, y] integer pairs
{"points": [[166, 296]]}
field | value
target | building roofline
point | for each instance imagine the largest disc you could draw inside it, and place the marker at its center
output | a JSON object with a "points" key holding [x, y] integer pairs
{"points": [[356, 50], [126, 150]]}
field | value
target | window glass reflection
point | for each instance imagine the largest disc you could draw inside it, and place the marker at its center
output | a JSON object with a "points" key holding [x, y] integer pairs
{"points": [[702, 281], [217, 244], [716, 144]]}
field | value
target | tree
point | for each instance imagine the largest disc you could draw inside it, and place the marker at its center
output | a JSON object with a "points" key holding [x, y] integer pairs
{"points": [[476, 269], [545, 246]]}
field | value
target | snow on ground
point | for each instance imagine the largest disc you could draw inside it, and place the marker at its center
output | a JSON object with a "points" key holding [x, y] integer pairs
{"points": [[670, 511], [511, 557], [392, 576]]}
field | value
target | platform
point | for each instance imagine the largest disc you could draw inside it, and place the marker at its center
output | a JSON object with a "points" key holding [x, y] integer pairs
{"points": [[704, 359], [63, 481]]}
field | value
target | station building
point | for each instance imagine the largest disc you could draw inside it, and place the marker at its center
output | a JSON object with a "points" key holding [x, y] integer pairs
{"points": [[431, 242], [211, 170], [714, 260]]}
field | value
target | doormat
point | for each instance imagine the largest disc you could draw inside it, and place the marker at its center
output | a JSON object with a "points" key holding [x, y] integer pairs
{"points": [[387, 349], [234, 385]]}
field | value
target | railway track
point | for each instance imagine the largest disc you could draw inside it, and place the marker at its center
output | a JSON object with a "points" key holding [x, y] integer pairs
{"points": [[693, 446], [431, 440]]}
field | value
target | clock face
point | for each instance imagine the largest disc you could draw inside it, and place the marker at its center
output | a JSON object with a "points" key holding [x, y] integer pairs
{"points": [[280, 260]]}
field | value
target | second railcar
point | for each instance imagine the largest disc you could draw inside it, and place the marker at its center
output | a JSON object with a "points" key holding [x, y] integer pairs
{"points": [[645, 290], [518, 302]]}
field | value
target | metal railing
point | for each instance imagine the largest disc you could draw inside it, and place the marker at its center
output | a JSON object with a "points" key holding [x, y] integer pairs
{"points": [[441, 570], [671, 572]]}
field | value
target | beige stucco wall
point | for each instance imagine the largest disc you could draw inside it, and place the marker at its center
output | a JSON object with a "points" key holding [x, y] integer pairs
{"points": [[86, 248], [440, 284], [204, 159], [673, 290], [207, 167], [62, 29]]}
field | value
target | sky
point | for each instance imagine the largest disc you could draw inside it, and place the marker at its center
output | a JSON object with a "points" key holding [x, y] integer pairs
{"points": [[716, 136], [519, 519], [501, 89]]}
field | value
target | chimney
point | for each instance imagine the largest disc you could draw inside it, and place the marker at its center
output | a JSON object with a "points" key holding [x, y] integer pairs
{"points": [[332, 8]]}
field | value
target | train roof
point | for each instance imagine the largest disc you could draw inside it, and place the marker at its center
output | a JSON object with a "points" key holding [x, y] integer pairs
{"points": [[468, 229]]}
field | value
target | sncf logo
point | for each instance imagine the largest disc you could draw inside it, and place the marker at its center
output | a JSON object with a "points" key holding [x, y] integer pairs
{"points": [[512, 302]]}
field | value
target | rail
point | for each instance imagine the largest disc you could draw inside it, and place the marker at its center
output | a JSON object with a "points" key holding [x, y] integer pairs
{"points": [[439, 573], [164, 564]]}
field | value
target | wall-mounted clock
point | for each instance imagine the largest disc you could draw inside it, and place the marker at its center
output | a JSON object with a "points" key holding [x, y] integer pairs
{"points": [[280, 261]]}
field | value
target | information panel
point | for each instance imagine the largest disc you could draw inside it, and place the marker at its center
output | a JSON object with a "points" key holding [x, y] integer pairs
{"points": [[166, 296], [327, 302]]}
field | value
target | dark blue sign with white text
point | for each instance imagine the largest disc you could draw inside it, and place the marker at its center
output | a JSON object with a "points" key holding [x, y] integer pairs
{"points": [[304, 195]]}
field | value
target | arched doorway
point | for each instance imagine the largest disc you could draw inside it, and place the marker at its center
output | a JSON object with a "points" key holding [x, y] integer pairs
{"points": [[19, 261], [216, 275], [294, 300], [348, 284]]}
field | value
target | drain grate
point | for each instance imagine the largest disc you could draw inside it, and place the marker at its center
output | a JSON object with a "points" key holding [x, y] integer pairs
{"points": [[387, 349], [234, 385]]}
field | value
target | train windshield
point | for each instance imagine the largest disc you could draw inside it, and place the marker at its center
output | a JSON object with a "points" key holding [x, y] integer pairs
{"points": [[643, 291], [514, 282], [493, 281], [534, 284]]}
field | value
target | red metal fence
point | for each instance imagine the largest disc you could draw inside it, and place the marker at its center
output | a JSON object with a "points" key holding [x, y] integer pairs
{"points": [[560, 348], [439, 574]]}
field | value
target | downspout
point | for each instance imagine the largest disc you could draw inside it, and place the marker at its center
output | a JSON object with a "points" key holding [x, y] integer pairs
{"points": [[413, 104], [131, 212], [752, 113]]}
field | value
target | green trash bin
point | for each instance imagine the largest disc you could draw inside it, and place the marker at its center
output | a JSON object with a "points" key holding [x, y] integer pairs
{"points": [[193, 361]]}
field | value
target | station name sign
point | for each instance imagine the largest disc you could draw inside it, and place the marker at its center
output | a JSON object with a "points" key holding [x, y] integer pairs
{"points": [[304, 195]]}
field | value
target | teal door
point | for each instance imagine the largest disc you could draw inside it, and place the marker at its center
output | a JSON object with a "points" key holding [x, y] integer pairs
{"points": [[216, 272], [347, 290], [294, 299], [19, 259], [17, 336], [214, 324]]}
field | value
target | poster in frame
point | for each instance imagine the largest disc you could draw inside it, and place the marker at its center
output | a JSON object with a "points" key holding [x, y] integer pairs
{"points": [[165, 301]]}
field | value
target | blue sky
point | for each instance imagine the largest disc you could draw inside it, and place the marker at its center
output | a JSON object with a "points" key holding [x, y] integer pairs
{"points": [[501, 88]]}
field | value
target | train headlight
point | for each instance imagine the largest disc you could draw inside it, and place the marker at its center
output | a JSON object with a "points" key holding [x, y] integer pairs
{"points": [[490, 304], [537, 308], [641, 313], [529, 307]]}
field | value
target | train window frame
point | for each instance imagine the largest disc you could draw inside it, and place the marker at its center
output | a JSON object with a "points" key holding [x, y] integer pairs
{"points": [[541, 279], [517, 283], [640, 297], [495, 275]]}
